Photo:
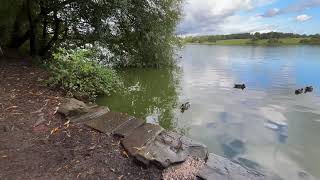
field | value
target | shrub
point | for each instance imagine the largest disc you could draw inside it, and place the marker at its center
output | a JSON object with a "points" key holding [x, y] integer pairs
{"points": [[77, 72], [313, 40], [273, 41]]}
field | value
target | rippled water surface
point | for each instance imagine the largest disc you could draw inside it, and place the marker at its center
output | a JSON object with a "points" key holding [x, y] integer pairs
{"points": [[220, 114]]}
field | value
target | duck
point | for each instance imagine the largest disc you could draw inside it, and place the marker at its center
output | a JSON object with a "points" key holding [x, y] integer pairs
{"points": [[299, 91], [308, 89], [185, 106], [240, 86]]}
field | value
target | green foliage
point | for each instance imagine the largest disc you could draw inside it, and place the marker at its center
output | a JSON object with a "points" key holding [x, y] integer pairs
{"points": [[313, 40], [252, 37], [273, 41], [133, 32], [77, 72]]}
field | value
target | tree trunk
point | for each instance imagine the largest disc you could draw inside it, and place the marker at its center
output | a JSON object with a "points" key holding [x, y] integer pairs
{"points": [[32, 29], [46, 48], [16, 39]]}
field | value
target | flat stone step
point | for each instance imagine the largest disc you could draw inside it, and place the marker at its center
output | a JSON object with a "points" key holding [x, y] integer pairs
{"points": [[109, 122], [140, 137], [171, 148], [93, 113], [218, 167], [127, 127]]}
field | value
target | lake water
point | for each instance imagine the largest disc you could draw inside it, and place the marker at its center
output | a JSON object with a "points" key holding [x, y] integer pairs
{"points": [[220, 114]]}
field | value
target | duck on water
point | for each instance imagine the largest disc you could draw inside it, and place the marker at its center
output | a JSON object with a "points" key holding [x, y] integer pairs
{"points": [[239, 86], [185, 107], [308, 89], [305, 90]]}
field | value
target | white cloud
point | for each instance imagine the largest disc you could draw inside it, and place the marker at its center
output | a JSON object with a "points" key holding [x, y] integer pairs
{"points": [[303, 18], [243, 24], [217, 16], [297, 6], [271, 12]]}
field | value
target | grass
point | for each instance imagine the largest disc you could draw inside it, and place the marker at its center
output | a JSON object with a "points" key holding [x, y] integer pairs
{"points": [[264, 42]]}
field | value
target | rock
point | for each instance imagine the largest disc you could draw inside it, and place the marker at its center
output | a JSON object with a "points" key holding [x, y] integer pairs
{"points": [[140, 137], [248, 163], [233, 148], [170, 148], [127, 128], [109, 122], [221, 168], [73, 107], [93, 113]]}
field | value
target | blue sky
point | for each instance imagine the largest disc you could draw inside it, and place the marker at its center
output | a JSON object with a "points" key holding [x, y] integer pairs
{"points": [[238, 16]]}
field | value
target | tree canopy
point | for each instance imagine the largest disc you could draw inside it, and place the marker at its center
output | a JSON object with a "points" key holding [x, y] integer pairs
{"points": [[130, 32]]}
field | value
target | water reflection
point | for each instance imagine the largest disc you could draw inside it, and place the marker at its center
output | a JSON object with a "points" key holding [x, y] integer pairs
{"points": [[150, 94], [264, 124]]}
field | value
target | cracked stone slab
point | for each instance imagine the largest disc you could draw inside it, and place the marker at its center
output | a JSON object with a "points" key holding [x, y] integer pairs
{"points": [[93, 113], [218, 167], [171, 148], [127, 127], [108, 122], [140, 137]]}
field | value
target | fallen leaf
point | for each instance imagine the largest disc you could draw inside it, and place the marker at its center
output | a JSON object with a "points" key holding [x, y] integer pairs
{"points": [[125, 154], [78, 175], [58, 169], [54, 130], [92, 147], [68, 134], [12, 107], [120, 177], [66, 123], [113, 170], [117, 144], [55, 110], [16, 113], [4, 156]]}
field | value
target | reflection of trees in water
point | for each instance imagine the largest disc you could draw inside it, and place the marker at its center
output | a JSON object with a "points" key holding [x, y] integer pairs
{"points": [[151, 93]]}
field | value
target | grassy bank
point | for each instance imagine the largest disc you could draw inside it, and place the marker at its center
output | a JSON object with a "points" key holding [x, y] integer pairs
{"points": [[263, 42]]}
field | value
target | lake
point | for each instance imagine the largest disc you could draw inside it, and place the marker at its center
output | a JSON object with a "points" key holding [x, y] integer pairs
{"points": [[273, 126]]}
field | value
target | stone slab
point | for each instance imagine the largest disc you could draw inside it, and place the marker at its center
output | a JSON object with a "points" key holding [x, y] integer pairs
{"points": [[93, 113], [127, 127], [108, 122], [171, 148], [140, 137], [72, 107], [218, 167]]}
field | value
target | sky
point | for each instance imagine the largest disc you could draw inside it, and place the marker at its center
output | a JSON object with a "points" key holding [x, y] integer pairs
{"points": [[203, 17]]}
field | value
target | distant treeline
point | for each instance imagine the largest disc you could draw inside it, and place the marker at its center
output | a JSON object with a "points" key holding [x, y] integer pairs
{"points": [[250, 36]]}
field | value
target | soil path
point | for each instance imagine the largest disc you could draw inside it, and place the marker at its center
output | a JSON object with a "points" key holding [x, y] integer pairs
{"points": [[28, 150]]}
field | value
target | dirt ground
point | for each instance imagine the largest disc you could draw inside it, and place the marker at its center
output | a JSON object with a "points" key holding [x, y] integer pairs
{"points": [[28, 150]]}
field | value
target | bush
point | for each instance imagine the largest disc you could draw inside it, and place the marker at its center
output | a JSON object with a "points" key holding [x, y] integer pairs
{"points": [[77, 72], [313, 40], [273, 41]]}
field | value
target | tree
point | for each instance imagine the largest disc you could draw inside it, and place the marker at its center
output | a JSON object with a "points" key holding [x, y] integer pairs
{"points": [[133, 32]]}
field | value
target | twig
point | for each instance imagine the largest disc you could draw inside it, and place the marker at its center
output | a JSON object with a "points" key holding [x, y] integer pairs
{"points": [[40, 110]]}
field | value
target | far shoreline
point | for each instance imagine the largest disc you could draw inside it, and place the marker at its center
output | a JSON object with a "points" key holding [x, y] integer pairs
{"points": [[247, 42]]}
